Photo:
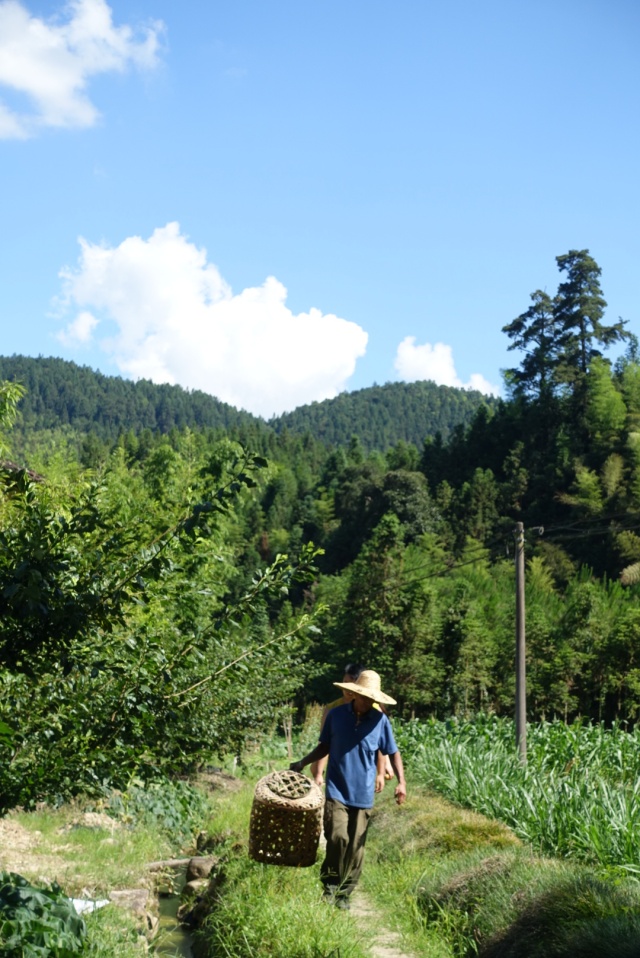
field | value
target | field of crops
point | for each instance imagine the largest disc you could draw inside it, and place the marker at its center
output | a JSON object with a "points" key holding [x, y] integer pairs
{"points": [[578, 796]]}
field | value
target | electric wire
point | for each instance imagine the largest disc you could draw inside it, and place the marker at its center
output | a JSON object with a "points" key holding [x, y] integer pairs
{"points": [[482, 548]]}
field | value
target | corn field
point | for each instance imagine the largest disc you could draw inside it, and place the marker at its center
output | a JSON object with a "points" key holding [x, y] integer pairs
{"points": [[578, 796]]}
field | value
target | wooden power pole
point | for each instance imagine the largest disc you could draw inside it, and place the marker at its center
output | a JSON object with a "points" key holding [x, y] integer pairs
{"points": [[521, 677]]}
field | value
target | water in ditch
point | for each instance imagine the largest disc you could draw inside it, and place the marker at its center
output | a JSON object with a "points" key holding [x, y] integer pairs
{"points": [[172, 940]]}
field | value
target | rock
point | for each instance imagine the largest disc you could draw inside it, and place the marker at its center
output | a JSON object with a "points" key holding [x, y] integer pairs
{"points": [[168, 863], [194, 910], [194, 888], [200, 867], [206, 842], [135, 900]]}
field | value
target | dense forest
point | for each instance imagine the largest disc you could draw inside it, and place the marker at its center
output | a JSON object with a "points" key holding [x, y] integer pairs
{"points": [[167, 594], [382, 415], [60, 394], [63, 396]]}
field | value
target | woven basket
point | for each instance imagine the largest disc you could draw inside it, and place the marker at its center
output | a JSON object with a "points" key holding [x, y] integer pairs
{"points": [[286, 820]]}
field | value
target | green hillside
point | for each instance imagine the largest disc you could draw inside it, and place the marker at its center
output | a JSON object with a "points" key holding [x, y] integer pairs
{"points": [[382, 415], [63, 394]]}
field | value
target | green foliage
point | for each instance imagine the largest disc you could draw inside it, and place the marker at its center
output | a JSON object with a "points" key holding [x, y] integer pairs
{"points": [[37, 922], [157, 590], [535, 333], [176, 808], [382, 416], [102, 409], [61, 393], [131, 641], [10, 396], [606, 412]]}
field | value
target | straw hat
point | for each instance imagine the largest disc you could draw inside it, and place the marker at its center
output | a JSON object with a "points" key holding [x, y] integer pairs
{"points": [[368, 685]]}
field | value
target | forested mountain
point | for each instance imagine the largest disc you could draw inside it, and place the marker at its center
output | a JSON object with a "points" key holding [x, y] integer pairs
{"points": [[60, 393], [382, 415]]}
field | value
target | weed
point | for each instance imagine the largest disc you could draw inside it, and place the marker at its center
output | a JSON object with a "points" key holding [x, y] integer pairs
{"points": [[175, 808]]}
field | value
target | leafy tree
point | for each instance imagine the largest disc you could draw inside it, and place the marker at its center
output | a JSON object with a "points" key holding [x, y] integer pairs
{"points": [[130, 639], [534, 332], [606, 412], [579, 310]]}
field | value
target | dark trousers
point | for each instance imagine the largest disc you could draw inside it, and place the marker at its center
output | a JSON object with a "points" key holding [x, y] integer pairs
{"points": [[345, 829]]}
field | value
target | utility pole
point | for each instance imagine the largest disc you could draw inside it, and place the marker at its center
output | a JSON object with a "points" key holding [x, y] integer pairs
{"points": [[521, 680]]}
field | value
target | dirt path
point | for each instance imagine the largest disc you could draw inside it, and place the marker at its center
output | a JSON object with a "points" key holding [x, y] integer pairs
{"points": [[383, 942]]}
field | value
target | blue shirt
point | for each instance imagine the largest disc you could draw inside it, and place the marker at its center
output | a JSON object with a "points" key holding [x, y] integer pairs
{"points": [[353, 746]]}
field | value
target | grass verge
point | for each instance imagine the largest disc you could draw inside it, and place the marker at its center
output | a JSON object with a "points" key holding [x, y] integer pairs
{"points": [[265, 910], [448, 881], [457, 885]]}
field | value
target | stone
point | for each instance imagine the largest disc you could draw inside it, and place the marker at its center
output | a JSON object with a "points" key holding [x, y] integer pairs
{"points": [[194, 888], [200, 866], [135, 900]]}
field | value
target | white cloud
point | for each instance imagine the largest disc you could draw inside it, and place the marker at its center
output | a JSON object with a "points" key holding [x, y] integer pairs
{"points": [[435, 362], [51, 61], [80, 331], [178, 321]]}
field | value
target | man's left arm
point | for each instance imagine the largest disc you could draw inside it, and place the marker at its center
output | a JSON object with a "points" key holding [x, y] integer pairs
{"points": [[398, 768]]}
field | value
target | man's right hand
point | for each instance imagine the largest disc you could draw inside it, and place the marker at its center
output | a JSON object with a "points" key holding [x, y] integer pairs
{"points": [[296, 767]]}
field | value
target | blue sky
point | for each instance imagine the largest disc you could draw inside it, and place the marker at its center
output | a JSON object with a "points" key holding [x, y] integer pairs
{"points": [[278, 201]]}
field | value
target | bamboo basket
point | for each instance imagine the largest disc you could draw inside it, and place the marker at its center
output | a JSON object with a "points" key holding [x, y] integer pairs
{"points": [[286, 820]]}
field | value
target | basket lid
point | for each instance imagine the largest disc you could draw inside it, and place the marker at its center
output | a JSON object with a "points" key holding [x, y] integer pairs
{"points": [[288, 784]]}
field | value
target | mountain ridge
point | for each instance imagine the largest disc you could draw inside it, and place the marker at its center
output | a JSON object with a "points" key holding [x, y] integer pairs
{"points": [[61, 393]]}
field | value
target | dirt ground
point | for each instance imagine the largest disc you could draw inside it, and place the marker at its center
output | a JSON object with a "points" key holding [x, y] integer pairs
{"points": [[21, 848], [19, 852]]}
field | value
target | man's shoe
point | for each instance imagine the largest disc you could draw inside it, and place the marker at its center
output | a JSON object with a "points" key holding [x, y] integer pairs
{"points": [[329, 893], [343, 903]]}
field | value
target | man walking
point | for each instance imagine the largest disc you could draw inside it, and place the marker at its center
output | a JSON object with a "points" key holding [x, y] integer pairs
{"points": [[351, 736]]}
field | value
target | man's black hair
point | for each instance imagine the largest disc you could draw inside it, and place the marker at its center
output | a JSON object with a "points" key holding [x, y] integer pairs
{"points": [[354, 670]]}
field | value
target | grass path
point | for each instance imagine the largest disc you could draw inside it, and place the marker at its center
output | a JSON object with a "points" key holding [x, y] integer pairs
{"points": [[384, 943]]}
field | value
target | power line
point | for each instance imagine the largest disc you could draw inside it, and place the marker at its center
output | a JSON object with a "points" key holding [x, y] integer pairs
{"points": [[482, 548], [445, 570]]}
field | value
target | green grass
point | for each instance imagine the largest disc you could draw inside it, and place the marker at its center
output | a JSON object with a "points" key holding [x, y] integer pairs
{"points": [[264, 910], [114, 933], [425, 843], [89, 853], [457, 885], [450, 882], [88, 860], [580, 917]]}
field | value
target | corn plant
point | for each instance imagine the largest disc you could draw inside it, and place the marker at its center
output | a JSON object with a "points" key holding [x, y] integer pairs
{"points": [[578, 796]]}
